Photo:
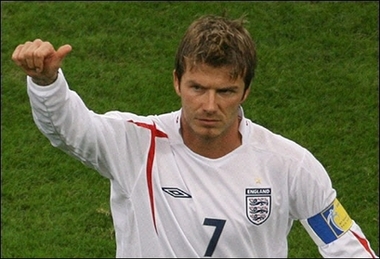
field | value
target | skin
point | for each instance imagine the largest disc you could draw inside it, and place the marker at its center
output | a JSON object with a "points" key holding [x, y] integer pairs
{"points": [[40, 60], [210, 105]]}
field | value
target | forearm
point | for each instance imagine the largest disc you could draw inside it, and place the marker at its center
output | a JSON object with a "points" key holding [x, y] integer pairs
{"points": [[352, 244], [63, 118], [338, 236]]}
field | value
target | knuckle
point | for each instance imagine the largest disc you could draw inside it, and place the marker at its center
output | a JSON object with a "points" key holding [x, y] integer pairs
{"points": [[47, 45], [15, 58], [28, 55], [37, 54]]}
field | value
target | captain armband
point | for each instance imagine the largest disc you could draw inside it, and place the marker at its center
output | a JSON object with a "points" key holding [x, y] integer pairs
{"points": [[329, 225]]}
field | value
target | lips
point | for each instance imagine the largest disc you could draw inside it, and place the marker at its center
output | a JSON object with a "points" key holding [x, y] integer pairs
{"points": [[208, 122]]}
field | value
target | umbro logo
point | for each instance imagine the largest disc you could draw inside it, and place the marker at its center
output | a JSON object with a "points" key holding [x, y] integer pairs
{"points": [[176, 192]]}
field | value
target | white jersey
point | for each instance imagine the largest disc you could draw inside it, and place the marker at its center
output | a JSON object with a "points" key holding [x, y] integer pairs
{"points": [[167, 201]]}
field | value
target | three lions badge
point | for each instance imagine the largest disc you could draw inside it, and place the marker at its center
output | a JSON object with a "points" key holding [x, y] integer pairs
{"points": [[258, 204]]}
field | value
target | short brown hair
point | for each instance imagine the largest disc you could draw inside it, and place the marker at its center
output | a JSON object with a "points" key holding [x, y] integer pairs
{"points": [[218, 41]]}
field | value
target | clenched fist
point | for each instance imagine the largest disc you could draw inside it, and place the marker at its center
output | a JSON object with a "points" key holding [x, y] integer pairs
{"points": [[40, 60]]}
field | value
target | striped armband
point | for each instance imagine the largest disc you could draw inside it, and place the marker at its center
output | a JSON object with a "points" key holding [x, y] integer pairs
{"points": [[329, 225]]}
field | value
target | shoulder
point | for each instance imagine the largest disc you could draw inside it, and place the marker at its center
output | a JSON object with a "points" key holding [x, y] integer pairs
{"points": [[159, 120], [265, 140], [168, 124]]}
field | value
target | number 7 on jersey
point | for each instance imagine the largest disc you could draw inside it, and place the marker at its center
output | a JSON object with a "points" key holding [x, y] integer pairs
{"points": [[219, 225]]}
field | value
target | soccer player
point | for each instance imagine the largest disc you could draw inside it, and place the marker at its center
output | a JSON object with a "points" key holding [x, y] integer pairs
{"points": [[202, 181]]}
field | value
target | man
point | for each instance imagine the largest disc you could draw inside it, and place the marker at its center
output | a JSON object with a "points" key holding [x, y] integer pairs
{"points": [[201, 181]]}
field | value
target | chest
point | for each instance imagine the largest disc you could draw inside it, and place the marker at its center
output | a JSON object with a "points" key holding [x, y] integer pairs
{"points": [[192, 200], [242, 186]]}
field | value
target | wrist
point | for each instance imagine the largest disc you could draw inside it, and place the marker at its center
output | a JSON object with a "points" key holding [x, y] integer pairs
{"points": [[44, 81]]}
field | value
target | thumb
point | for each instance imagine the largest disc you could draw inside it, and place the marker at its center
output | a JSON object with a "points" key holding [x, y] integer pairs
{"points": [[53, 62], [63, 51]]}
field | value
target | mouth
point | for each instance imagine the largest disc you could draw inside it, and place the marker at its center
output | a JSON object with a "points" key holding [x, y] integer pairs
{"points": [[208, 122]]}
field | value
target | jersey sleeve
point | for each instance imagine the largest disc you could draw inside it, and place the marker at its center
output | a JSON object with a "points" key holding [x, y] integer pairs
{"points": [[108, 143], [314, 202], [337, 235], [311, 189]]}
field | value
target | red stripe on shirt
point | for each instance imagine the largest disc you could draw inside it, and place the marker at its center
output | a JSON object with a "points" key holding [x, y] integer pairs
{"points": [[364, 243], [154, 132]]}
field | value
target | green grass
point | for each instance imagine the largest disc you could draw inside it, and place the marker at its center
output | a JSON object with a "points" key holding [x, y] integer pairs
{"points": [[317, 84]]}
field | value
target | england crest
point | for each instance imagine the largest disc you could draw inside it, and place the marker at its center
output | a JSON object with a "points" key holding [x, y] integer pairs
{"points": [[258, 204]]}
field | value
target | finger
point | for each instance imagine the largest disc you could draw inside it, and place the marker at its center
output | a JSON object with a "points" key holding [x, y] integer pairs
{"points": [[46, 56], [19, 54], [19, 59], [63, 51], [27, 53], [41, 54], [16, 55]]}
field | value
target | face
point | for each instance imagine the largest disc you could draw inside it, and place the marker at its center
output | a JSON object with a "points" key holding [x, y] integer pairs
{"points": [[210, 102]]}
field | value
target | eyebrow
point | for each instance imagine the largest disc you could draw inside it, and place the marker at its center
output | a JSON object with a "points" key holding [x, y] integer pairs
{"points": [[230, 87]]}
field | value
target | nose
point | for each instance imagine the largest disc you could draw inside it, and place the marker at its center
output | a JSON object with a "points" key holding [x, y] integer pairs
{"points": [[210, 104]]}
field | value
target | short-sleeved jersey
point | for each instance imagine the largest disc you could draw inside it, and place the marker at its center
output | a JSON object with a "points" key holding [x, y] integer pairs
{"points": [[167, 201]]}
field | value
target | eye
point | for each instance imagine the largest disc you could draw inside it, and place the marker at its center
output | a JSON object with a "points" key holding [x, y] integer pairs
{"points": [[226, 91], [197, 88]]}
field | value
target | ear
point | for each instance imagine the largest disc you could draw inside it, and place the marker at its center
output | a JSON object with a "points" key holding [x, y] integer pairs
{"points": [[246, 93], [176, 83]]}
